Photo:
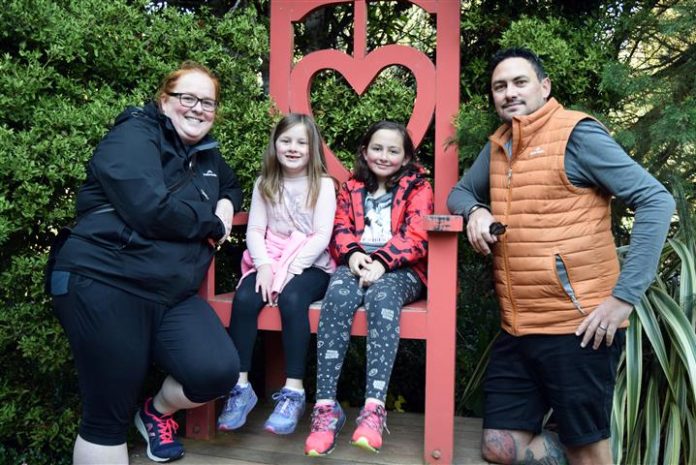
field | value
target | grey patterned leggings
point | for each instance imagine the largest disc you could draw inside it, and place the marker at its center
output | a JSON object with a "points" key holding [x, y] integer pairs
{"points": [[382, 301]]}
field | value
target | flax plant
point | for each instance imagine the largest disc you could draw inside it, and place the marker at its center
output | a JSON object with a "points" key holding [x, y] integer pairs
{"points": [[655, 397]]}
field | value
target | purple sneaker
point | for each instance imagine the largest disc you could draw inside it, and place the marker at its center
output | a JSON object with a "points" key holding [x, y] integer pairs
{"points": [[290, 406], [237, 406]]}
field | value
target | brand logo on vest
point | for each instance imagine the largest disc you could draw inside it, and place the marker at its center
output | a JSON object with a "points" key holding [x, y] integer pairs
{"points": [[210, 173], [536, 152]]}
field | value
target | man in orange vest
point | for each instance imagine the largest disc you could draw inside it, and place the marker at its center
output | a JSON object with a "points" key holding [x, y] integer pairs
{"points": [[538, 198]]}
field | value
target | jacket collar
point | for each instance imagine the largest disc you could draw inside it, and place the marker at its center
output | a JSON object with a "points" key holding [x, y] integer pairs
{"points": [[152, 112], [404, 181], [523, 128]]}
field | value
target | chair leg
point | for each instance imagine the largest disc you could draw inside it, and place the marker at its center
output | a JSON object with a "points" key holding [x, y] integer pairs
{"points": [[200, 422], [439, 411]]}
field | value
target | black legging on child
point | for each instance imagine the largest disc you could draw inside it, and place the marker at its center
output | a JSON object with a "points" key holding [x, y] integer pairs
{"points": [[293, 304]]}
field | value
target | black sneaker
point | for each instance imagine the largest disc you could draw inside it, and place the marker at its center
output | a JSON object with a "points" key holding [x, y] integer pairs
{"points": [[159, 433]]}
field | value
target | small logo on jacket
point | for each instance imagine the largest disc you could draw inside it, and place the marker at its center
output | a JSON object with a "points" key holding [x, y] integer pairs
{"points": [[210, 173], [536, 152]]}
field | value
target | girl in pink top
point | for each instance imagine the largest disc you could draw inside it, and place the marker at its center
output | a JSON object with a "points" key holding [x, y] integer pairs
{"points": [[287, 264]]}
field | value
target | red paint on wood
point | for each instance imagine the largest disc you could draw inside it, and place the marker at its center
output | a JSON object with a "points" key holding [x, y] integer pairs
{"points": [[437, 86]]}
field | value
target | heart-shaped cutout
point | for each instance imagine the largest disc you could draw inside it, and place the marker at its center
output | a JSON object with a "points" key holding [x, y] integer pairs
{"points": [[360, 72], [345, 115]]}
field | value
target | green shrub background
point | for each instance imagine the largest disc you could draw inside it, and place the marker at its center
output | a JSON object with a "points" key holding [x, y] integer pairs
{"points": [[68, 67]]}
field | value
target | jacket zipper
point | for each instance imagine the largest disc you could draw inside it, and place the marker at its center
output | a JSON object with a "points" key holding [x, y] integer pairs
{"points": [[506, 258], [186, 177]]}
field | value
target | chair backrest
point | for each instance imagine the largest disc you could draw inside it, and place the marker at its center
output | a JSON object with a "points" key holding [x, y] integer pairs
{"points": [[437, 84]]}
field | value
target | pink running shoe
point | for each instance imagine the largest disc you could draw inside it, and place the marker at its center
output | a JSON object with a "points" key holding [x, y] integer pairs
{"points": [[371, 422], [327, 421]]}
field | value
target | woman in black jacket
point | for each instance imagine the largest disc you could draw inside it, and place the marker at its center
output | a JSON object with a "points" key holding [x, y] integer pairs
{"points": [[157, 199]]}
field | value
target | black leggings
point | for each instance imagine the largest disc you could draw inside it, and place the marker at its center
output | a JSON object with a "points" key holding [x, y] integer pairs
{"points": [[115, 336], [293, 303]]}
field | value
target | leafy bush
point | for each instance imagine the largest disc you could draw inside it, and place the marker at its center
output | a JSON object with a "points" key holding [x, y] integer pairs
{"points": [[66, 70], [655, 398]]}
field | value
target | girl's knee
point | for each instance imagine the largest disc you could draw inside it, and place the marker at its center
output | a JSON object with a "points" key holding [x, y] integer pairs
{"points": [[292, 303], [246, 306], [388, 306], [341, 296]]}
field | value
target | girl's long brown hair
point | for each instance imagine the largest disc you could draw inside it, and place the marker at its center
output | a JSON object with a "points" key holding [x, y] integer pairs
{"points": [[362, 172], [271, 183]]}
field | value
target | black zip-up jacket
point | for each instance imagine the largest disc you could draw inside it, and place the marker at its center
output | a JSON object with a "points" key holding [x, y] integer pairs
{"points": [[147, 209]]}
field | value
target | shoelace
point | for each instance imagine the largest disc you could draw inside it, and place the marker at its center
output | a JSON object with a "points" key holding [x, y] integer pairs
{"points": [[374, 419], [167, 427], [322, 418], [234, 398], [289, 402]]}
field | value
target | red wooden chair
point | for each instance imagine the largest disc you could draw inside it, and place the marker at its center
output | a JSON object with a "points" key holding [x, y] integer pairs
{"points": [[434, 320]]}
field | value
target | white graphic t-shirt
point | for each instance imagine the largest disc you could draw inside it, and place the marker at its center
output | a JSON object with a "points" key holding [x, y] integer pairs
{"points": [[377, 222]]}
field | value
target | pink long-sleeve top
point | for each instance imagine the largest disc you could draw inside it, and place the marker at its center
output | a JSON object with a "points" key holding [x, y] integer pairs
{"points": [[293, 214]]}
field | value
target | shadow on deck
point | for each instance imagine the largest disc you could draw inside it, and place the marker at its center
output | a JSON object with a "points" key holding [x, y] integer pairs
{"points": [[251, 445]]}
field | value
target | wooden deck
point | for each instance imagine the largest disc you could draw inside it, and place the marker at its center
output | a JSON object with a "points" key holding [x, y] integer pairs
{"points": [[251, 445]]}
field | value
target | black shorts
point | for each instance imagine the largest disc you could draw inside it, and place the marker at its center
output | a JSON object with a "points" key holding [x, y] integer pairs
{"points": [[527, 375], [115, 336]]}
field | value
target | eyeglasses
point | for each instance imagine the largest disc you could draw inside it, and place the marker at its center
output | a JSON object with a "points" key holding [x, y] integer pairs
{"points": [[190, 101], [497, 229]]}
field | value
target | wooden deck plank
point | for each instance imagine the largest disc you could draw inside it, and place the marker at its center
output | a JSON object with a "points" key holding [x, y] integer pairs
{"points": [[251, 445]]}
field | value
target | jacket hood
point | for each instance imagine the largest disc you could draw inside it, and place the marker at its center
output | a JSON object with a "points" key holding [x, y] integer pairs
{"points": [[149, 110], [152, 112], [412, 177], [418, 172]]}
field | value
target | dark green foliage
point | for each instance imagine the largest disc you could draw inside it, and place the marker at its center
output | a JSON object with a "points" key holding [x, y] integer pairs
{"points": [[67, 69], [477, 324], [653, 84], [343, 116]]}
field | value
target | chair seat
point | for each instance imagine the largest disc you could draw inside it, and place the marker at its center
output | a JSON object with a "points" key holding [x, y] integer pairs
{"points": [[414, 317]]}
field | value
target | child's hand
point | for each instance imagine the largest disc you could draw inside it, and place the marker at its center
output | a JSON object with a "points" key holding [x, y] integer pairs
{"points": [[371, 273], [264, 280], [357, 262], [275, 295]]}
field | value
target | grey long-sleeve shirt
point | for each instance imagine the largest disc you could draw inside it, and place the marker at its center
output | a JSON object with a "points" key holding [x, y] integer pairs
{"points": [[594, 159]]}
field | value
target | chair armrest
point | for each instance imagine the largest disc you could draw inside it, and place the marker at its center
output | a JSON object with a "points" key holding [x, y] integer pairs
{"points": [[207, 289], [240, 218], [444, 223]]}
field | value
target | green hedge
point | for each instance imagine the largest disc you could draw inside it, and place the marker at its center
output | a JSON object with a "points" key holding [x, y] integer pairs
{"points": [[67, 68]]}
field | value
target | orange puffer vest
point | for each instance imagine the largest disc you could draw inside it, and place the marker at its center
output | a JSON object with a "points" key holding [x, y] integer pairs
{"points": [[557, 261]]}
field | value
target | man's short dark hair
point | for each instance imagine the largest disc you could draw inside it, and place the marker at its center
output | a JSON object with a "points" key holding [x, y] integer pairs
{"points": [[516, 52]]}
